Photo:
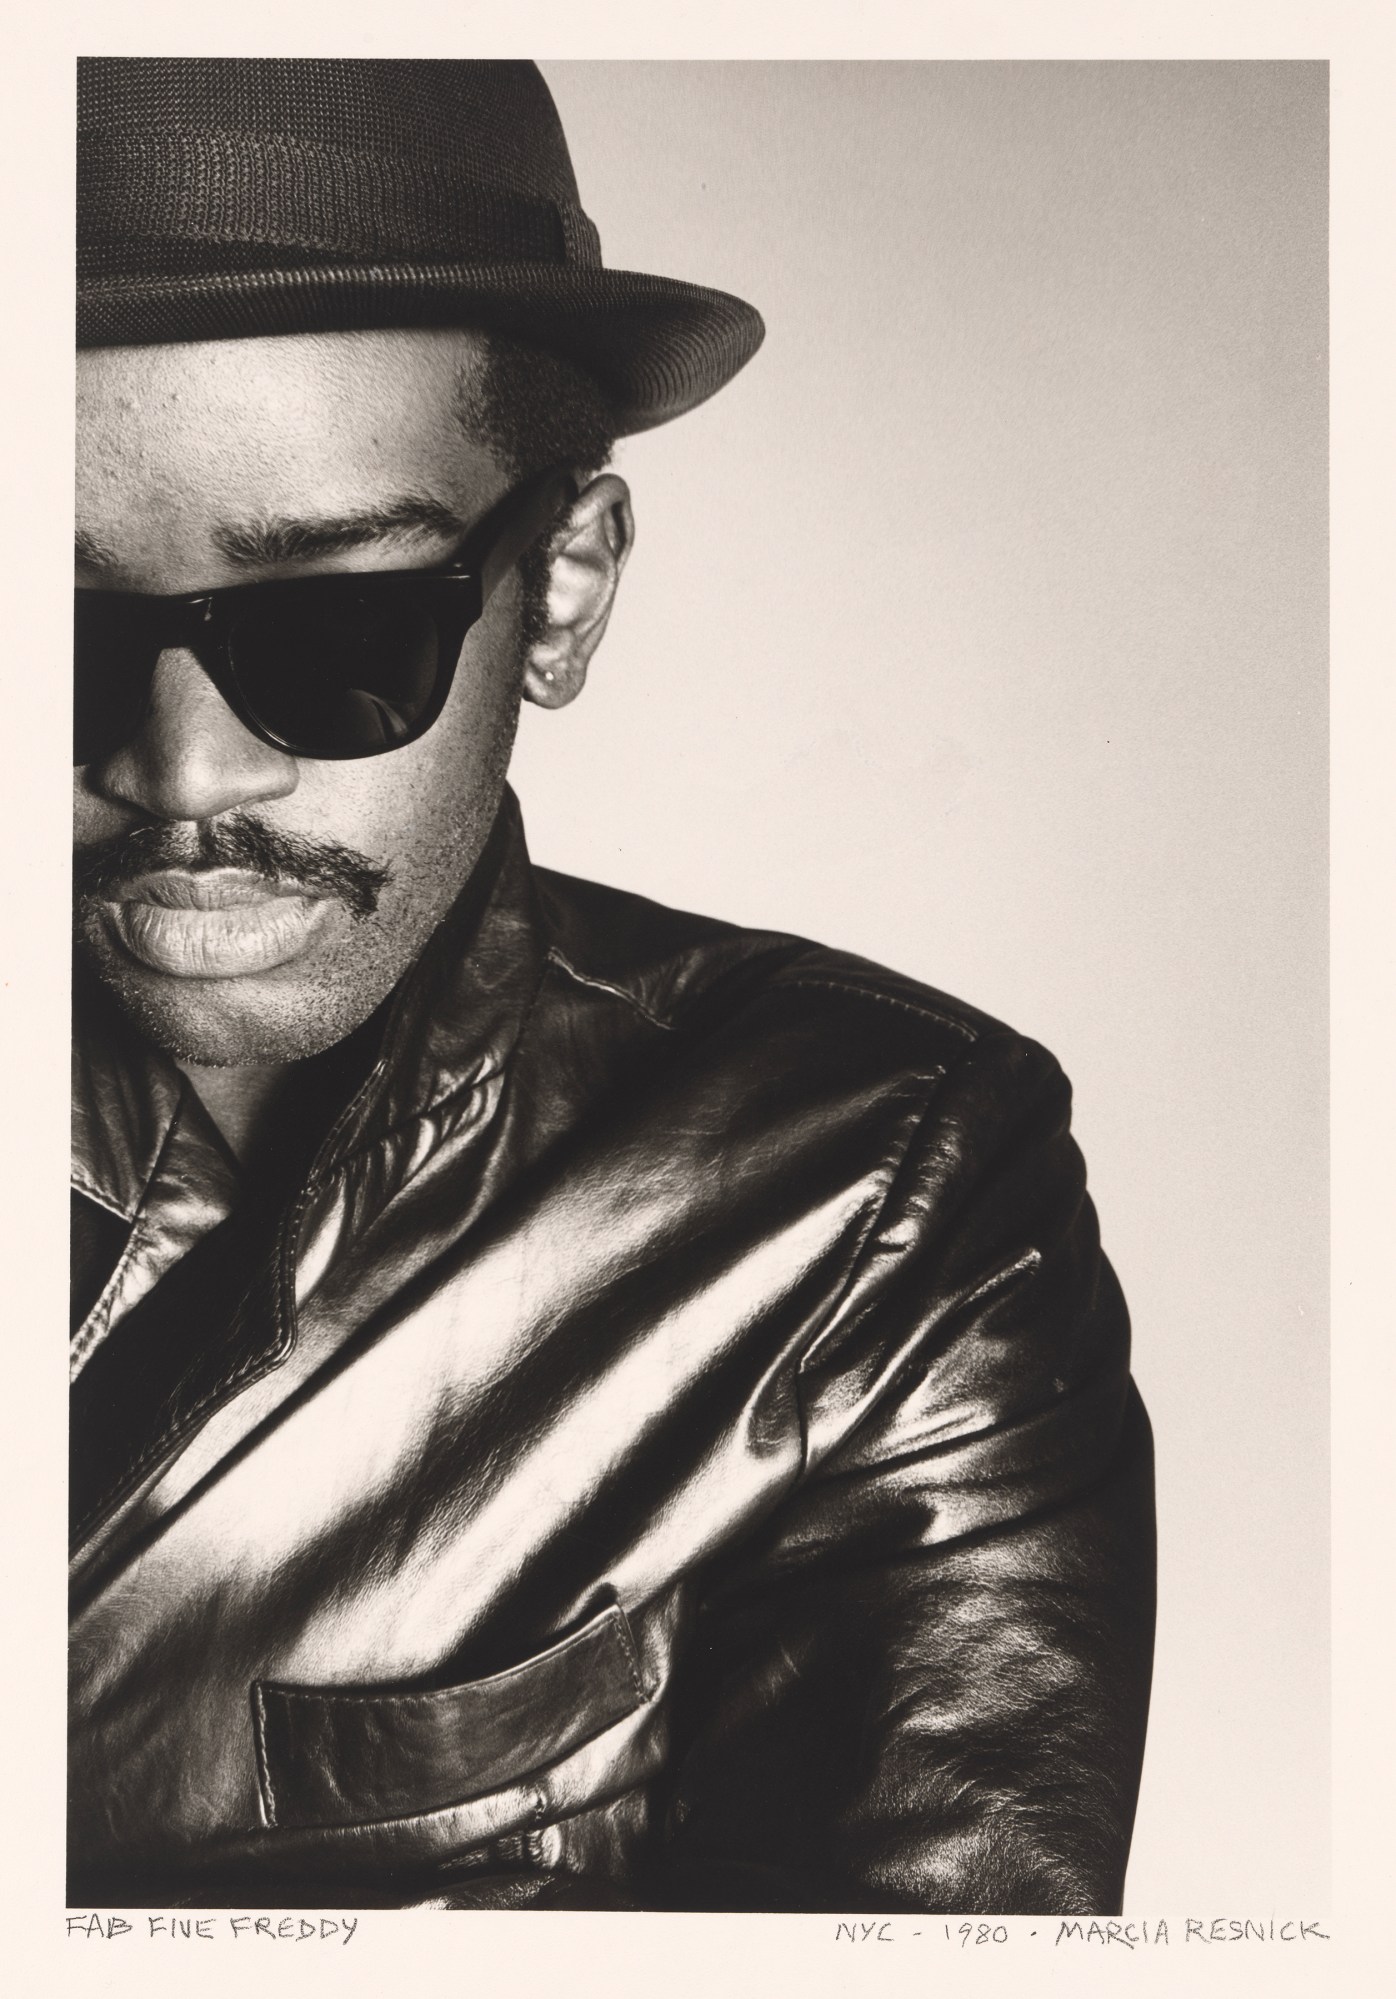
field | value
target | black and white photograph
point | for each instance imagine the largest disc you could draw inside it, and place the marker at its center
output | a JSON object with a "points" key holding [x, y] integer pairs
{"points": [[698, 1249]]}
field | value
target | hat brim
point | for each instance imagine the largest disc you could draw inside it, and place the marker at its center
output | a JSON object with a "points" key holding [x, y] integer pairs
{"points": [[658, 346]]}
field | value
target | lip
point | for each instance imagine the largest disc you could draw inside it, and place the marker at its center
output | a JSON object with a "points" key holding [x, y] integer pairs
{"points": [[209, 888], [224, 923]]}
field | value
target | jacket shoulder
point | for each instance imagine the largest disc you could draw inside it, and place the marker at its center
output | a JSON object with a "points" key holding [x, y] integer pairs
{"points": [[678, 969]]}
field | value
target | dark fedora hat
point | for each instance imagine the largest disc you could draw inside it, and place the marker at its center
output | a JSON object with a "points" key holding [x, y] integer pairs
{"points": [[224, 197]]}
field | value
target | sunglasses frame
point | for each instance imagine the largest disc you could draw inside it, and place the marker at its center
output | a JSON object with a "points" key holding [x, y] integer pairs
{"points": [[204, 622]]}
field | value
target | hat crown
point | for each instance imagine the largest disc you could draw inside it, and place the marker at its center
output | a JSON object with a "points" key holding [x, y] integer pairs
{"points": [[492, 123], [224, 198]]}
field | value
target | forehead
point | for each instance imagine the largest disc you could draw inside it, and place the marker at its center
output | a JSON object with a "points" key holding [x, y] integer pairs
{"points": [[179, 437]]}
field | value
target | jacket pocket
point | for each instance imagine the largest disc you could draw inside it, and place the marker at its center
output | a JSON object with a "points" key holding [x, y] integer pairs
{"points": [[330, 1756]]}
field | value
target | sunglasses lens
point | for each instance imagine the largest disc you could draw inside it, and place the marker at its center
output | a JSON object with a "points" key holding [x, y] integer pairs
{"points": [[346, 667], [335, 666], [113, 655]]}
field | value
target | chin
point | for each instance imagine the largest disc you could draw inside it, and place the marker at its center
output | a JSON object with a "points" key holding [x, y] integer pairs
{"points": [[239, 1023]]}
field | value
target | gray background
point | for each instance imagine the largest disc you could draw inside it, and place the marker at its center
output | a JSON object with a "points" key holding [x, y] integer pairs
{"points": [[979, 627]]}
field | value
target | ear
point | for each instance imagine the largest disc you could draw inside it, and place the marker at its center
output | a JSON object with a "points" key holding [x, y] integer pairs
{"points": [[589, 552]]}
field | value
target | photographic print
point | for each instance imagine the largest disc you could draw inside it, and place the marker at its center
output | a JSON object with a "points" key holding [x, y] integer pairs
{"points": [[696, 684]]}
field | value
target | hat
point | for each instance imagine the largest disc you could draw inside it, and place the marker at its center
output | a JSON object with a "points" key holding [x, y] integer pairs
{"points": [[225, 197]]}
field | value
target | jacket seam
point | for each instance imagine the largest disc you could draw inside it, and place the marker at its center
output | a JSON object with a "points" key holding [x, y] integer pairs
{"points": [[81, 1184], [95, 1327], [848, 988], [622, 1629], [619, 992], [259, 1733], [82, 1347], [1030, 1261], [851, 990], [348, 1697], [896, 1162]]}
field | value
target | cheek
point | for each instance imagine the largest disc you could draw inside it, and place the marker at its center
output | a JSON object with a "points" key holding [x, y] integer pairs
{"points": [[424, 811]]}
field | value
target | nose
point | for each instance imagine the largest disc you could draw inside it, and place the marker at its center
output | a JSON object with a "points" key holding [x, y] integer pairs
{"points": [[192, 757]]}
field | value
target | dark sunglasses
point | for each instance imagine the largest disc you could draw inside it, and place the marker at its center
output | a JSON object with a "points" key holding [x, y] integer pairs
{"points": [[320, 666]]}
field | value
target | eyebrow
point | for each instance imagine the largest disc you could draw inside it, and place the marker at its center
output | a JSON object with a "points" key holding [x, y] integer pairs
{"points": [[268, 542]]}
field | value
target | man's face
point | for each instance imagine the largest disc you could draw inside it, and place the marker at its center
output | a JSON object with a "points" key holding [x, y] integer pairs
{"points": [[195, 463]]}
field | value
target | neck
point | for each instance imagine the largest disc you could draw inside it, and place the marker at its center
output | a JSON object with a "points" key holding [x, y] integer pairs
{"points": [[273, 1115], [245, 1103]]}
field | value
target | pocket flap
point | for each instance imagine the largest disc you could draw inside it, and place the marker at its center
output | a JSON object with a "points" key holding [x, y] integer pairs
{"points": [[338, 1756]]}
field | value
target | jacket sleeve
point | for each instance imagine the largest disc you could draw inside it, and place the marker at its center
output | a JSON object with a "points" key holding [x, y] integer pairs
{"points": [[924, 1686]]}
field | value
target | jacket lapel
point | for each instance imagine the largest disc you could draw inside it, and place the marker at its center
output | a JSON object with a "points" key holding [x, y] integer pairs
{"points": [[211, 1325]]}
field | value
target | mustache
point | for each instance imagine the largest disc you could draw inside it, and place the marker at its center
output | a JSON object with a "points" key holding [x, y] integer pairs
{"points": [[322, 866]]}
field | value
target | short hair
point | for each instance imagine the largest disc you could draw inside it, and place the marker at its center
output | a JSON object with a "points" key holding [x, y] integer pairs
{"points": [[533, 409]]}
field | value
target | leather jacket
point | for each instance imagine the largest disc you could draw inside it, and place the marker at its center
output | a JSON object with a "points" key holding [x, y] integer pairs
{"points": [[671, 1446]]}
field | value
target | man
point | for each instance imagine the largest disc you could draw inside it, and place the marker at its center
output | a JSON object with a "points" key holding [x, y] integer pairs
{"points": [[575, 1405]]}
